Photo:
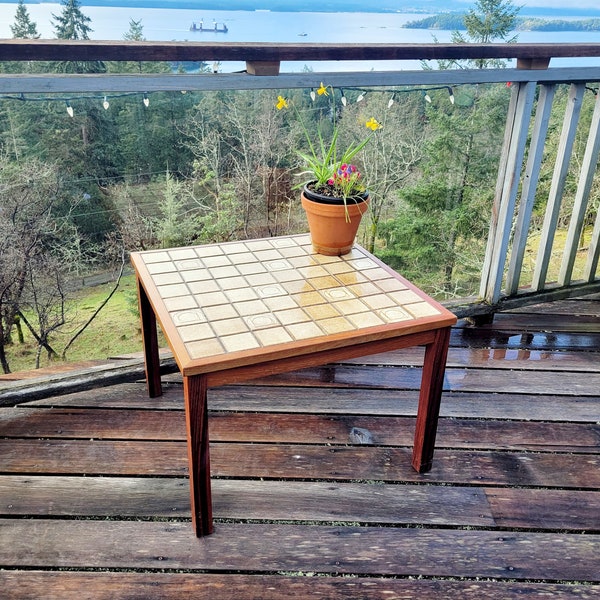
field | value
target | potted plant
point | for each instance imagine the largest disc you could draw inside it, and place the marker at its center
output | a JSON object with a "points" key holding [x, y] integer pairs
{"points": [[334, 194]]}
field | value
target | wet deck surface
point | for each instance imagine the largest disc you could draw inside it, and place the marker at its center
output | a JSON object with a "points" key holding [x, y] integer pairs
{"points": [[313, 491]]}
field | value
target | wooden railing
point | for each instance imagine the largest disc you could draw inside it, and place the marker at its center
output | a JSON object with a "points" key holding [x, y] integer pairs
{"points": [[533, 87]]}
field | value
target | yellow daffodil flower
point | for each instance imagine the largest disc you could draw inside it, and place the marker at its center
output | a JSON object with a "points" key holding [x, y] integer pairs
{"points": [[322, 91], [373, 124], [281, 103]]}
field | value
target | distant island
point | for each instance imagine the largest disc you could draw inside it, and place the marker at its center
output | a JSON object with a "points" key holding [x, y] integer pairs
{"points": [[455, 22]]}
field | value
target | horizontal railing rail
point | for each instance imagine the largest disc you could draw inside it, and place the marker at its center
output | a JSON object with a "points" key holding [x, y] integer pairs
{"points": [[533, 87]]}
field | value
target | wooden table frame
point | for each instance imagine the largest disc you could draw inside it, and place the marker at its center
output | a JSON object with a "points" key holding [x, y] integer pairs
{"points": [[433, 334]]}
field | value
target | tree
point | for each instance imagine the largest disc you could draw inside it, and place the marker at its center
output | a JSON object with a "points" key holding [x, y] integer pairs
{"points": [[24, 27], [72, 24], [490, 21]]}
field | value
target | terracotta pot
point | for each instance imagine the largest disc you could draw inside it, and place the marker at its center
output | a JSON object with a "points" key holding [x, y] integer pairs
{"points": [[333, 224]]}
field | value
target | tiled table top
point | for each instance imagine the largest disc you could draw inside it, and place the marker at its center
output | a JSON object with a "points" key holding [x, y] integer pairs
{"points": [[253, 297]]}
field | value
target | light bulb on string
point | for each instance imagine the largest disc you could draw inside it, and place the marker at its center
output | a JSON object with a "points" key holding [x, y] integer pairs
{"points": [[391, 101], [344, 99], [451, 95], [105, 103], [69, 109], [427, 97], [361, 97], [313, 95], [146, 101]]}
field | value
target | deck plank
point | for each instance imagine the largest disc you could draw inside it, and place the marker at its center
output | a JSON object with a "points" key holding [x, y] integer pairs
{"points": [[306, 548]]}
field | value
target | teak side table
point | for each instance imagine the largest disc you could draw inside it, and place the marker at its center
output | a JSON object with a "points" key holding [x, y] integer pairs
{"points": [[240, 310]]}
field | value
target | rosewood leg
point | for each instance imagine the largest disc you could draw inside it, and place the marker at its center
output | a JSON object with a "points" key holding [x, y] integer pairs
{"points": [[196, 414], [150, 341], [429, 400]]}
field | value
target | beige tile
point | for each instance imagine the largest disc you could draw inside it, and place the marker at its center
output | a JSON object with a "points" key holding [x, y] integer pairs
{"points": [[178, 254], [225, 271], [204, 251], [196, 275], [279, 303], [240, 342], [233, 283], [170, 291], [180, 303], [291, 275], [293, 315], [291, 251], [187, 317], [229, 326], [270, 337], [241, 294], [284, 242], [422, 309], [243, 258], [351, 278], [311, 272], [251, 268], [187, 265], [405, 297], [302, 261], [204, 348], [391, 285], [322, 283], [378, 301], [234, 248], [336, 325], [257, 245], [251, 307], [337, 293], [349, 307], [267, 255], [394, 315], [354, 254], [303, 331], [322, 259], [268, 291], [211, 298], [321, 311], [260, 279], [339, 267], [308, 298], [203, 287], [162, 267], [375, 274], [261, 321], [167, 278], [368, 319], [220, 311], [191, 333], [296, 287], [154, 257], [364, 289], [277, 265], [212, 262]]}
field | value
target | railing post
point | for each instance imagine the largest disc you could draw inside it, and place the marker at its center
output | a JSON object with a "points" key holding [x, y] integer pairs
{"points": [[511, 160], [561, 169], [529, 186], [584, 187]]}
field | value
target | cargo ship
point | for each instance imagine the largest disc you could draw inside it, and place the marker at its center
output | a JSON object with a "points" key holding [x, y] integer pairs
{"points": [[214, 26]]}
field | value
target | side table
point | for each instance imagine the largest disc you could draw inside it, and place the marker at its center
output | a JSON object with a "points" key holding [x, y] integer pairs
{"points": [[240, 310]]}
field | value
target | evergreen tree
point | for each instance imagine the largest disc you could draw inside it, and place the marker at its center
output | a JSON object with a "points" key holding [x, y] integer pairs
{"points": [[23, 26], [72, 24]]}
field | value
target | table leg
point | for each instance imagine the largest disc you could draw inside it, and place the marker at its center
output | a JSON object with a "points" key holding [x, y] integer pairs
{"points": [[429, 400], [194, 391], [150, 341]]}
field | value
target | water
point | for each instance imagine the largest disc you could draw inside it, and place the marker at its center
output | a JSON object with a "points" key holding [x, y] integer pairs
{"points": [[265, 26]]}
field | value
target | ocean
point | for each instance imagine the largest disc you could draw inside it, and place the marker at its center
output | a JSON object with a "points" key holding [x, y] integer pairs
{"points": [[110, 23]]}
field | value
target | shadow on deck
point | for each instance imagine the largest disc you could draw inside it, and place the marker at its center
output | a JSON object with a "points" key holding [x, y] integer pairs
{"points": [[314, 495]]}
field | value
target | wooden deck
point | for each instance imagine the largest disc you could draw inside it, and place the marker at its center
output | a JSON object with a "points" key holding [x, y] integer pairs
{"points": [[314, 495]]}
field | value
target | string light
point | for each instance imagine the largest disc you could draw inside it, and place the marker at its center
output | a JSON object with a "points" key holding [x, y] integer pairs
{"points": [[361, 96], [313, 94], [451, 95], [146, 101], [391, 101], [105, 103], [69, 109], [344, 99], [427, 98]]}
